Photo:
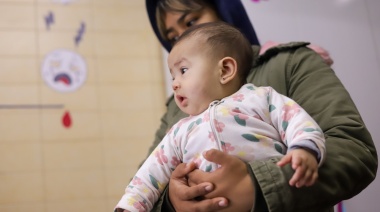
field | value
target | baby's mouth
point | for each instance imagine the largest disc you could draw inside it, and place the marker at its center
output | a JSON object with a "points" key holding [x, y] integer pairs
{"points": [[180, 99]]}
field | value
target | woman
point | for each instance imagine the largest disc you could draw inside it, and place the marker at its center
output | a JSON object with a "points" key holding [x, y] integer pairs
{"points": [[297, 72]]}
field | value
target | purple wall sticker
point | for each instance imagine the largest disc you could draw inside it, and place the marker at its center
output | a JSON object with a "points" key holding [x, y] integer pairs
{"points": [[80, 33], [49, 20]]}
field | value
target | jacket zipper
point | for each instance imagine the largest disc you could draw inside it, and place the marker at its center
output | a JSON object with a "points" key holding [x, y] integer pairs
{"points": [[212, 112]]}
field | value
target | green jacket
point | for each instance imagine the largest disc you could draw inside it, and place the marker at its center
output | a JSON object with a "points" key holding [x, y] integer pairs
{"points": [[351, 159]]}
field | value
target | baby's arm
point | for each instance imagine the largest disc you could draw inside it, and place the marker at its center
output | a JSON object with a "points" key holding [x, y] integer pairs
{"points": [[151, 178], [304, 163], [303, 137]]}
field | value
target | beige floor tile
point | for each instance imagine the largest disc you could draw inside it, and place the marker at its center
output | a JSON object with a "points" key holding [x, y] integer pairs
{"points": [[20, 157], [113, 126], [118, 3], [18, 94], [20, 188], [124, 70], [74, 185], [129, 44], [93, 205], [20, 126], [64, 3], [136, 124], [132, 96], [152, 48], [17, 16], [139, 3], [158, 96], [85, 126], [117, 180], [85, 98], [30, 207], [73, 156], [18, 43], [16, 70], [121, 18], [92, 74], [126, 153], [157, 70], [112, 201], [17, 1]]}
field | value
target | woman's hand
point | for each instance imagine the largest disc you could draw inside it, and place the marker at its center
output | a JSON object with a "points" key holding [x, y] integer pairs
{"points": [[186, 198], [230, 181]]}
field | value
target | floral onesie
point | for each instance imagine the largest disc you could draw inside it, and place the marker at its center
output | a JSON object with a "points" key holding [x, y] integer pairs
{"points": [[253, 124]]}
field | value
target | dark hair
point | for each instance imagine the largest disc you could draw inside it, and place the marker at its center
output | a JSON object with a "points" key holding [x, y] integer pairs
{"points": [[223, 40], [183, 6], [230, 11]]}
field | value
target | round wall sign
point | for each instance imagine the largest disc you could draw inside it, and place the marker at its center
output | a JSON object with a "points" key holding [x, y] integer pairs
{"points": [[64, 70]]}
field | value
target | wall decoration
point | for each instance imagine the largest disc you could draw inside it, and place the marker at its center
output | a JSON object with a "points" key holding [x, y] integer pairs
{"points": [[66, 119], [80, 32], [49, 20], [64, 70]]}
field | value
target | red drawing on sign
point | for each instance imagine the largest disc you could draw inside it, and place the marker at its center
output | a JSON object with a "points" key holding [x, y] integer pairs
{"points": [[66, 120]]}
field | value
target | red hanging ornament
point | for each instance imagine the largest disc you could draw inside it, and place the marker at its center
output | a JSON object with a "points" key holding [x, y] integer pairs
{"points": [[66, 119]]}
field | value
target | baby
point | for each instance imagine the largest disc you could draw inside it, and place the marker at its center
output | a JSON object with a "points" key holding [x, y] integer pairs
{"points": [[209, 65]]}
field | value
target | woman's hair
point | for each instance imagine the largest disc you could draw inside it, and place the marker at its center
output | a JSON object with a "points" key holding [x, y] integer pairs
{"points": [[230, 11], [183, 6], [223, 40]]}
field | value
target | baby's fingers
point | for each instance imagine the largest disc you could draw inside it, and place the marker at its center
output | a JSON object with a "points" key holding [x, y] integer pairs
{"points": [[285, 160], [297, 176], [309, 177], [312, 179]]}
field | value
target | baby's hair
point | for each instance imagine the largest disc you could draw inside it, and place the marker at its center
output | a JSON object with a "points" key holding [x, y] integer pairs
{"points": [[224, 40]]}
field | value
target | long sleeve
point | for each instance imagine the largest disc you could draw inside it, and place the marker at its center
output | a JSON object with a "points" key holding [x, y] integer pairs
{"points": [[296, 127], [172, 115], [152, 177]]}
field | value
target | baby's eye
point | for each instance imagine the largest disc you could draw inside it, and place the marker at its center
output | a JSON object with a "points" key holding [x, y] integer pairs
{"points": [[183, 70]]}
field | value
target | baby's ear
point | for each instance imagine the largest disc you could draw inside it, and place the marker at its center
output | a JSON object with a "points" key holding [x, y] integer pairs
{"points": [[228, 69]]}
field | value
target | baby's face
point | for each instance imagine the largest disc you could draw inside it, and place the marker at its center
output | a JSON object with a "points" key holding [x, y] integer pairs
{"points": [[195, 76]]}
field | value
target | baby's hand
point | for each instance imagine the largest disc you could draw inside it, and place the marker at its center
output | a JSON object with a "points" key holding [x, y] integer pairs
{"points": [[305, 165]]}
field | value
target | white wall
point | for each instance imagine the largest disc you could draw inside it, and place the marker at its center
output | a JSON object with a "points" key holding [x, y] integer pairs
{"points": [[350, 31]]}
